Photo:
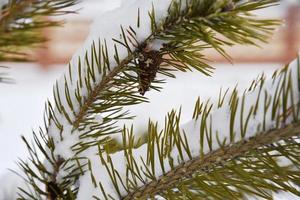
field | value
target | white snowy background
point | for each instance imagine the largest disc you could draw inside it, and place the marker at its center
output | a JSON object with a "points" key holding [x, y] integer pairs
{"points": [[22, 103]]}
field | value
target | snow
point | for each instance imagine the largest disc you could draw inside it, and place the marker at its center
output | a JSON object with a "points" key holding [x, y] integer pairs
{"points": [[21, 108], [9, 186], [21, 111], [111, 20], [88, 9], [3, 2], [112, 30], [181, 91], [174, 94], [219, 118]]}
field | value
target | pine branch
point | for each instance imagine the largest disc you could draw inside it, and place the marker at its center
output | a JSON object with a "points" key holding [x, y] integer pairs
{"points": [[260, 173], [21, 23], [176, 150], [182, 53], [89, 104], [105, 82], [205, 164]]}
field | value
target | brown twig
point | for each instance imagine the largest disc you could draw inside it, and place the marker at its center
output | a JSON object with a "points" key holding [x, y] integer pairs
{"points": [[97, 90]]}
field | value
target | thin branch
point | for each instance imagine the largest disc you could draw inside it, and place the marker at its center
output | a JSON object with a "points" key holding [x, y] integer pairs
{"points": [[98, 89]]}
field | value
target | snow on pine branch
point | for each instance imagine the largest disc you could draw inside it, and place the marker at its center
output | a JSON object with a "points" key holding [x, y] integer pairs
{"points": [[105, 72], [266, 105], [88, 68], [104, 28], [113, 40]]}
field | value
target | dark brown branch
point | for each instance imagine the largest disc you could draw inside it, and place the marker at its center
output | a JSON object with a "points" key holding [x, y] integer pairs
{"points": [[53, 190]]}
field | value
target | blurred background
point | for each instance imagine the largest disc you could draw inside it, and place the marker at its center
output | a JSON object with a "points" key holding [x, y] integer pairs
{"points": [[22, 103], [282, 47]]}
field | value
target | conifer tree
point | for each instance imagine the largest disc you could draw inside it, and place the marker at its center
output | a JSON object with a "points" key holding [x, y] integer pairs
{"points": [[242, 145], [21, 23]]}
